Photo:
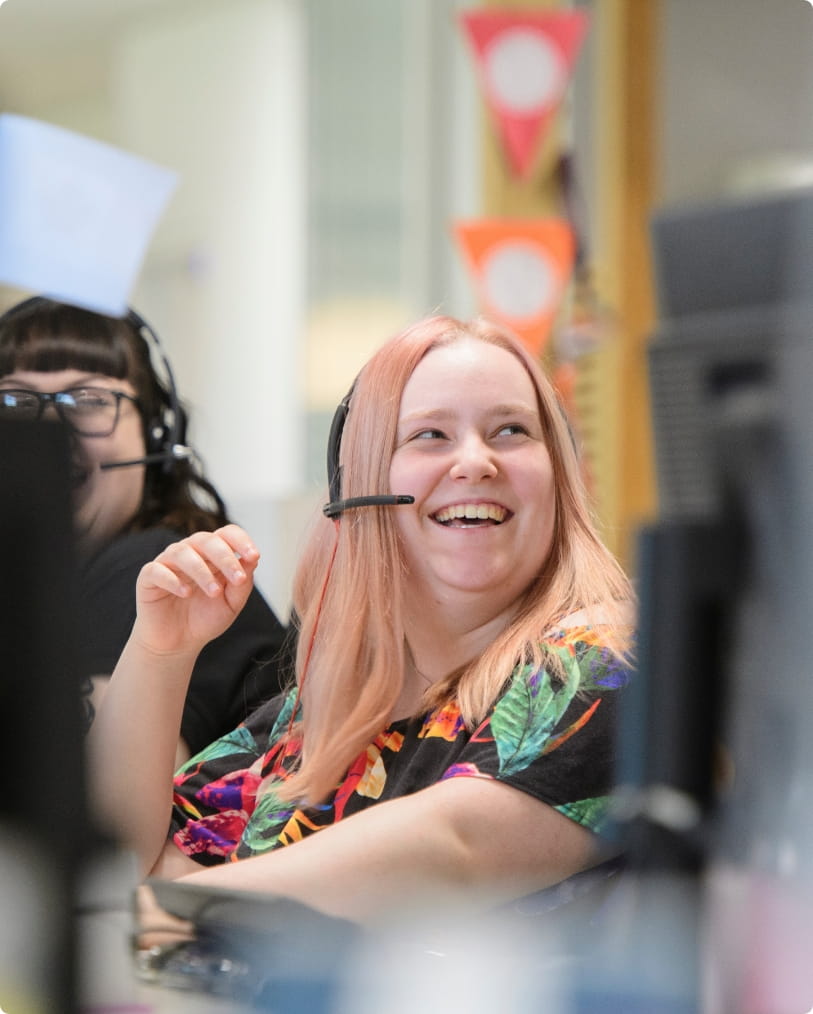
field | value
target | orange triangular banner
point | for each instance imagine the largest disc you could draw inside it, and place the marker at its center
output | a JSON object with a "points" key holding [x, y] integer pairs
{"points": [[520, 269], [524, 62]]}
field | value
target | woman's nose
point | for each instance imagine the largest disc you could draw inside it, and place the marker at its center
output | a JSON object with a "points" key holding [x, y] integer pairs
{"points": [[474, 460], [49, 411]]}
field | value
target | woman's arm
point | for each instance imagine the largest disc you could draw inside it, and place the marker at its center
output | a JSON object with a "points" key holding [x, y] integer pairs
{"points": [[99, 686], [188, 595], [107, 611], [465, 843]]}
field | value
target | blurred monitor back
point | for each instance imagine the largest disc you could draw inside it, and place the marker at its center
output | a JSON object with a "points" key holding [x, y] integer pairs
{"points": [[737, 252], [43, 824], [735, 292], [729, 565]]}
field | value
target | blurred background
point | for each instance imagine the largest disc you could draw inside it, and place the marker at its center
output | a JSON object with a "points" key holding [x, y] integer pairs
{"points": [[325, 147]]}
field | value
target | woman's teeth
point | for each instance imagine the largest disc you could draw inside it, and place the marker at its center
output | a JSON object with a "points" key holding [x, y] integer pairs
{"points": [[471, 512]]}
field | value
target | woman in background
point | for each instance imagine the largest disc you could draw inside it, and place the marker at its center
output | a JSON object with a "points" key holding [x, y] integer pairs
{"points": [[137, 489], [461, 661]]}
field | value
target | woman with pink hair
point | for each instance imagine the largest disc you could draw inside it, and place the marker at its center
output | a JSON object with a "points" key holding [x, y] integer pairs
{"points": [[462, 655]]}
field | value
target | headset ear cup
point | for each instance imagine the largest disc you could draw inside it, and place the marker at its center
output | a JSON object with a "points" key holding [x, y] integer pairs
{"points": [[158, 437], [169, 429], [334, 443]]}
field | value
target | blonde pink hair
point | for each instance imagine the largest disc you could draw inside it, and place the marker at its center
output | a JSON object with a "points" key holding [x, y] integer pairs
{"points": [[348, 585]]}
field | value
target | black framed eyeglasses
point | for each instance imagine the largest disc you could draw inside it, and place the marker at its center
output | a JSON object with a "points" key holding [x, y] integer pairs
{"points": [[88, 411]]}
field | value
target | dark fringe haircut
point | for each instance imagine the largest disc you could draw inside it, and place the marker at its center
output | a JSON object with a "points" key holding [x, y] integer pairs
{"points": [[45, 335]]}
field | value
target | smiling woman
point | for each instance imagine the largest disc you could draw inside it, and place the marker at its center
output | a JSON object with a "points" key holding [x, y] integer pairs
{"points": [[472, 450], [105, 502], [461, 661], [133, 494]]}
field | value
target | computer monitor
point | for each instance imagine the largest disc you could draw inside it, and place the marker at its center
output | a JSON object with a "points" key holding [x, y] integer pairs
{"points": [[727, 572], [735, 296]]}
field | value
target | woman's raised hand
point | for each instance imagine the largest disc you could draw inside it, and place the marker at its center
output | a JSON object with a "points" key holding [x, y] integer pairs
{"points": [[193, 590]]}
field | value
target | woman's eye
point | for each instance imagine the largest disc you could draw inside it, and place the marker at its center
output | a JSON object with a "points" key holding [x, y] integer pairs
{"points": [[90, 399], [428, 435], [510, 429]]}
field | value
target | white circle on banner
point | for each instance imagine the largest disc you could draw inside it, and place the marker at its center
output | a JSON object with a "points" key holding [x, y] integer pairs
{"points": [[526, 72], [519, 280]]}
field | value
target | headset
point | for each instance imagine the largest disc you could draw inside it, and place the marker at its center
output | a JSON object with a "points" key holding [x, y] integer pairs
{"points": [[337, 505], [333, 510], [166, 434]]}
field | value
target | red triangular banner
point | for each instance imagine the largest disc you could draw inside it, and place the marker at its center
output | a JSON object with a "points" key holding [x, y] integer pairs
{"points": [[520, 269], [524, 62]]}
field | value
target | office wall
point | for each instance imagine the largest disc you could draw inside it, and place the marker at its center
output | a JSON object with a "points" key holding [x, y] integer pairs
{"points": [[220, 98]]}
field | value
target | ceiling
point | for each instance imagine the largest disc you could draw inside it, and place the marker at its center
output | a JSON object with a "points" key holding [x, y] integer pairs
{"points": [[50, 48], [29, 21]]}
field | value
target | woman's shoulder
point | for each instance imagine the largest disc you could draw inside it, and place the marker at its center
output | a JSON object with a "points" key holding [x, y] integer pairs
{"points": [[136, 543], [595, 652], [597, 633], [613, 627], [591, 656], [275, 715], [618, 615]]}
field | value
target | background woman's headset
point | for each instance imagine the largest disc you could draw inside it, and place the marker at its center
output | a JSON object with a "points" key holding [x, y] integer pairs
{"points": [[166, 432]]}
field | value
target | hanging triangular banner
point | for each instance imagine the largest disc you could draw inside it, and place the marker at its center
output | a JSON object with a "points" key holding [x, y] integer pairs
{"points": [[563, 378], [524, 62], [520, 268]]}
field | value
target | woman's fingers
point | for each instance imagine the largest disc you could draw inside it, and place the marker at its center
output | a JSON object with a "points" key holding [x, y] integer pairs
{"points": [[206, 560], [155, 927], [239, 541], [159, 576]]}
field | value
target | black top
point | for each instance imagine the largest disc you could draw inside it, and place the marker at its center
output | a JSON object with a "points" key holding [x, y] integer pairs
{"points": [[243, 667]]}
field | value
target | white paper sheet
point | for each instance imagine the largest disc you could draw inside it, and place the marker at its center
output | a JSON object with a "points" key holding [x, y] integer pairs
{"points": [[76, 215]]}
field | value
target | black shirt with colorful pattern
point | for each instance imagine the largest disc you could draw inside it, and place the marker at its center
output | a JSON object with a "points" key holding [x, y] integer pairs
{"points": [[551, 737]]}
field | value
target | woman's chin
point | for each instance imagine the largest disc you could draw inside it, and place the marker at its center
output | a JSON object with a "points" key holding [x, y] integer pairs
{"points": [[88, 525], [81, 492]]}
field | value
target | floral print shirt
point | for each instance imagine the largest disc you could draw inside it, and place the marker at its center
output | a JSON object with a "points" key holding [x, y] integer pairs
{"points": [[553, 738]]}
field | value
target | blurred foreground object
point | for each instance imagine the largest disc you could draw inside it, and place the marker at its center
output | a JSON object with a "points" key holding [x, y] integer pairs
{"points": [[727, 592], [76, 215], [43, 831]]}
